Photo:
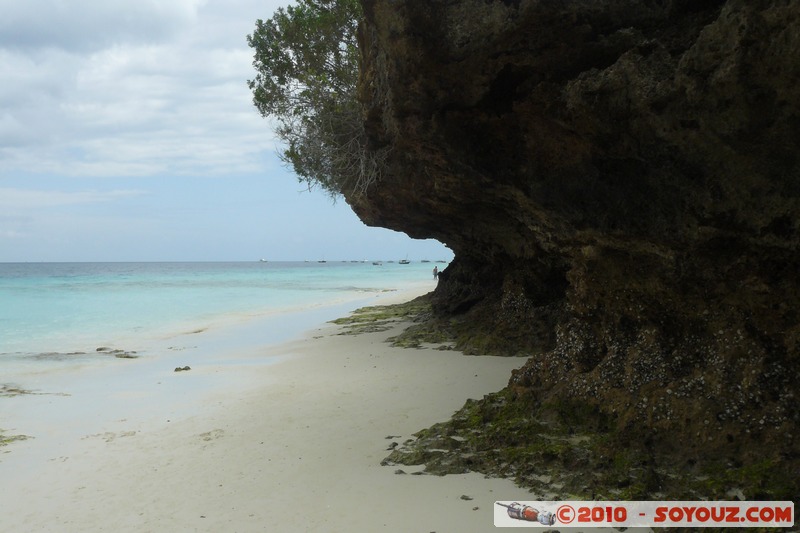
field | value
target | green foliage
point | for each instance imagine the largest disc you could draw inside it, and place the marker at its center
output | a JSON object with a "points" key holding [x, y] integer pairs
{"points": [[306, 61]]}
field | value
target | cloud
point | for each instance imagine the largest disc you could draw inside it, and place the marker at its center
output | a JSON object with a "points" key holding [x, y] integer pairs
{"points": [[129, 88], [91, 24]]}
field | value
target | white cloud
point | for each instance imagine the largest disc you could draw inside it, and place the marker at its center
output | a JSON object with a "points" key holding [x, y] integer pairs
{"points": [[91, 24], [155, 88]]}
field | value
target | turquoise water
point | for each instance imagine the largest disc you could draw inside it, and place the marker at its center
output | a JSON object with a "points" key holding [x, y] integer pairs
{"points": [[225, 321], [58, 308]]}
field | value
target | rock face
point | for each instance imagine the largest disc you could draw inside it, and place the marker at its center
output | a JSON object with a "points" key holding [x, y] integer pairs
{"points": [[620, 183]]}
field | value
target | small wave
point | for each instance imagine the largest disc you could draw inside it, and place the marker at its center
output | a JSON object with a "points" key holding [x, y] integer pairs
{"points": [[350, 288], [68, 356], [56, 356]]}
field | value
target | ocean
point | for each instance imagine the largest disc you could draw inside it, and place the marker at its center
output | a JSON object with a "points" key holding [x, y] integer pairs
{"points": [[59, 311], [93, 347]]}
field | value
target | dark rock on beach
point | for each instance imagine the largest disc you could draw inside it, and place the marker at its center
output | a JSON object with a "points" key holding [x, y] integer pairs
{"points": [[9, 390], [620, 183], [119, 354]]}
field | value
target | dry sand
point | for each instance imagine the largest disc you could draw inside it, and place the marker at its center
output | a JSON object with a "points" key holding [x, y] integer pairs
{"points": [[282, 438]]}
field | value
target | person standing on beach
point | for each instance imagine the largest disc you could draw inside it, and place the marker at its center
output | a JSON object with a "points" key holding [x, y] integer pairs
{"points": [[435, 272]]}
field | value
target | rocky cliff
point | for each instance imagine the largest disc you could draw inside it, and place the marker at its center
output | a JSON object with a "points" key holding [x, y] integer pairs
{"points": [[620, 183]]}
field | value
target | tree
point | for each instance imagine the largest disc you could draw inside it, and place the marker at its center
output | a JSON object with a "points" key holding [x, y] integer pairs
{"points": [[306, 59]]}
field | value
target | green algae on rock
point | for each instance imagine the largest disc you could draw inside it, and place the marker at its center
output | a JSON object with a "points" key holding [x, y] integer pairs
{"points": [[5, 440], [571, 451], [423, 328], [383, 317], [12, 390]]}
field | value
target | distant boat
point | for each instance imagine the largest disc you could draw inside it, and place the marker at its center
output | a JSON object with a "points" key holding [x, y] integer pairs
{"points": [[404, 261], [262, 260], [425, 261], [377, 263], [321, 261]]}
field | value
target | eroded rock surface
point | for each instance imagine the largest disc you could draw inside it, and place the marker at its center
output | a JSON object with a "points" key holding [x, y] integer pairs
{"points": [[619, 181]]}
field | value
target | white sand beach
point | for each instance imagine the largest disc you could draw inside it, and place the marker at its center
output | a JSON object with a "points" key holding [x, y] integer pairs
{"points": [[270, 438]]}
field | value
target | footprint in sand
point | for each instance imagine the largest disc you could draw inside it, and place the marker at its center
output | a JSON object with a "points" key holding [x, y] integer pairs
{"points": [[213, 434]]}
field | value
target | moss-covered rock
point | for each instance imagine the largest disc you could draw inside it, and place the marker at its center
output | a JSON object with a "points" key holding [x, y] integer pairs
{"points": [[572, 450], [384, 317]]}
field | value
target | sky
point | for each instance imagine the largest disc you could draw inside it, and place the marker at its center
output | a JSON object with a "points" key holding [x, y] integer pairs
{"points": [[128, 133]]}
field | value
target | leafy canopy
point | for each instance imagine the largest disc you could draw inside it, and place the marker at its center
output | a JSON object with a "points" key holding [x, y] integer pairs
{"points": [[306, 62]]}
